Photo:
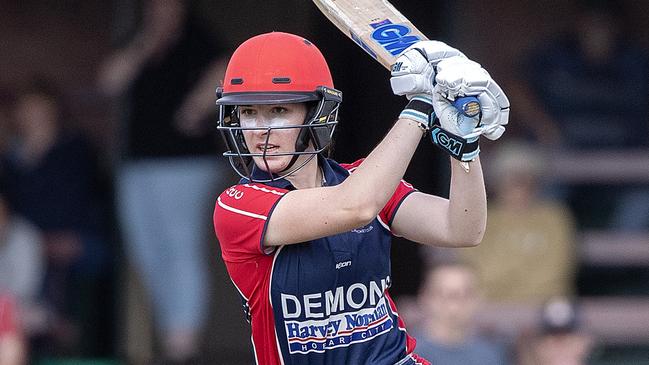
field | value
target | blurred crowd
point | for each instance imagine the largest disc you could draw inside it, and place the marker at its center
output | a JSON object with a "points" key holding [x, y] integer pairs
{"points": [[60, 201], [88, 243], [448, 332], [55, 252]]}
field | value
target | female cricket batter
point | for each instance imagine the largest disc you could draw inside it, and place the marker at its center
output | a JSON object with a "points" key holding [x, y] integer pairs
{"points": [[306, 240]]}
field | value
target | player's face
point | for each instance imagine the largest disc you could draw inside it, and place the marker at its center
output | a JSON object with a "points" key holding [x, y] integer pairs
{"points": [[272, 141]]}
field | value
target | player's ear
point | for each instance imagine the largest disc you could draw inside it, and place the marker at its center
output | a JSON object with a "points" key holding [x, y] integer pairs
{"points": [[302, 141], [322, 116]]}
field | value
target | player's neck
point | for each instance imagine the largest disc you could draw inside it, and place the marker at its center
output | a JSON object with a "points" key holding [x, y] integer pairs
{"points": [[309, 176]]}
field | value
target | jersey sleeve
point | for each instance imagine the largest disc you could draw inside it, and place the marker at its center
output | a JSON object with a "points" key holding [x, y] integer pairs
{"points": [[240, 217], [386, 215]]}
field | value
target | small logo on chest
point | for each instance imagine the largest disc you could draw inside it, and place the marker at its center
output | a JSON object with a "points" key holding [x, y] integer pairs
{"points": [[363, 229], [342, 264]]}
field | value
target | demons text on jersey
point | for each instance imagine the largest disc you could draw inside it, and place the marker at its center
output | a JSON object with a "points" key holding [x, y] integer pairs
{"points": [[336, 318]]}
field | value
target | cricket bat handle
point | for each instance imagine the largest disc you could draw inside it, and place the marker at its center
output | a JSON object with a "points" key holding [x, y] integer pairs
{"points": [[468, 105]]}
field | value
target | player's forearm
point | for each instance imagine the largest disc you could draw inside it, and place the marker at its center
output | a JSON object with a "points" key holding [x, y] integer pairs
{"points": [[467, 204], [374, 181]]}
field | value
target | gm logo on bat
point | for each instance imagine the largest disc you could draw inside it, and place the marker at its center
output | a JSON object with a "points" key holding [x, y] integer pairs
{"points": [[394, 38]]}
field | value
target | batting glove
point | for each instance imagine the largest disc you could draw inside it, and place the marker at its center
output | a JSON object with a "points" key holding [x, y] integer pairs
{"points": [[413, 72], [421, 109], [458, 77]]}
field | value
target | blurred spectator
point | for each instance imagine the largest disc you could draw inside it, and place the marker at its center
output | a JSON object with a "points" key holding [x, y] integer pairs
{"points": [[22, 266], [589, 88], [5, 111], [528, 251], [592, 82], [449, 299], [169, 172], [13, 348], [51, 174], [558, 340]]}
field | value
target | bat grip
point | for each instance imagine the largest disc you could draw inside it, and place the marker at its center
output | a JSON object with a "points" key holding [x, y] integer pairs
{"points": [[468, 105]]}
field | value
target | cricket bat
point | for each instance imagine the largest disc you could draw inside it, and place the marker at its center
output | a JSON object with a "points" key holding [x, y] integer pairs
{"points": [[382, 32]]}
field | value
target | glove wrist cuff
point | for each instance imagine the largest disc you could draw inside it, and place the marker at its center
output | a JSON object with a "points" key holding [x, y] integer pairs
{"points": [[460, 148], [419, 109]]}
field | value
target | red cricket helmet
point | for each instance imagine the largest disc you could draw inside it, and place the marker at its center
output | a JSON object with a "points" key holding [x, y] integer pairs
{"points": [[277, 68]]}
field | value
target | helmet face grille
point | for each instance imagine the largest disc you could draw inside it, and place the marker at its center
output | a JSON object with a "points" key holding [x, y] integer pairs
{"points": [[316, 131], [277, 68]]}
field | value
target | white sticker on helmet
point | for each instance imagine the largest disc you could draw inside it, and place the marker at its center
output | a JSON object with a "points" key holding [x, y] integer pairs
{"points": [[261, 122], [254, 118]]}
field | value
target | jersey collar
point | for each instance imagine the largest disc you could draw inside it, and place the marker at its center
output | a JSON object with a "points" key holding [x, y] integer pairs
{"points": [[334, 174]]}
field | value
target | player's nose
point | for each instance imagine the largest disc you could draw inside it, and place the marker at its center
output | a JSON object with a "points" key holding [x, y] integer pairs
{"points": [[262, 133]]}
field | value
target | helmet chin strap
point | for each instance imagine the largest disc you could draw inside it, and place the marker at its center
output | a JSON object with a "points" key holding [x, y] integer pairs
{"points": [[302, 141]]}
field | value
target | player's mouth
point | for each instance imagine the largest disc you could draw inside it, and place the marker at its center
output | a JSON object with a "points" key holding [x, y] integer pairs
{"points": [[267, 148]]}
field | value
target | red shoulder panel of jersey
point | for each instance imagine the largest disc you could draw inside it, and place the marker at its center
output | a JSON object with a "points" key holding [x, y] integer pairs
{"points": [[403, 189], [240, 218], [390, 209]]}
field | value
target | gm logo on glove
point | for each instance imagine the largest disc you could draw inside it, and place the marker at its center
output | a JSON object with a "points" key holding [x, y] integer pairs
{"points": [[442, 139]]}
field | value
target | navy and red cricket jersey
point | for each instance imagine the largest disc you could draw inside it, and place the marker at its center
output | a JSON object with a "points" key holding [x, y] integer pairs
{"points": [[320, 302]]}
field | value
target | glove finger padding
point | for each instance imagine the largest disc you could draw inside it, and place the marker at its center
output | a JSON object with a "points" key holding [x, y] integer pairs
{"points": [[412, 74], [452, 73], [458, 77], [435, 51], [414, 70], [494, 117]]}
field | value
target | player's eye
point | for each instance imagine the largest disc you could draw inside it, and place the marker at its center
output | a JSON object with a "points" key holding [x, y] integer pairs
{"points": [[247, 111], [279, 110]]}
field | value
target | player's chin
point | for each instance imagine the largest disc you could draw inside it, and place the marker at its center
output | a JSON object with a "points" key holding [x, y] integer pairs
{"points": [[273, 164]]}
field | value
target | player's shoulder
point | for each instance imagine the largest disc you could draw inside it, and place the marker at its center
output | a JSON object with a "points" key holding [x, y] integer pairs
{"points": [[352, 166]]}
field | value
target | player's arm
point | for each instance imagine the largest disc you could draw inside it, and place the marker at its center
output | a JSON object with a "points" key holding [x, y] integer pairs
{"points": [[307, 214], [304, 215], [455, 222], [461, 219]]}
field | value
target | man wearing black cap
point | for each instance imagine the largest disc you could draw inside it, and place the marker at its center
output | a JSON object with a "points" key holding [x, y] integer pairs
{"points": [[560, 340]]}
